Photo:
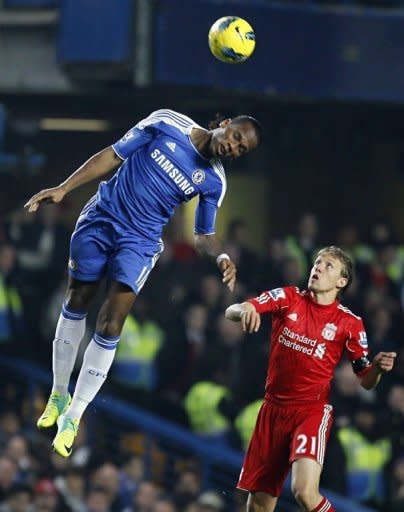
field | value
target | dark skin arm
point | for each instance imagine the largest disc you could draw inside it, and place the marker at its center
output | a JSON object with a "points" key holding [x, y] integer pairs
{"points": [[97, 166], [211, 246]]}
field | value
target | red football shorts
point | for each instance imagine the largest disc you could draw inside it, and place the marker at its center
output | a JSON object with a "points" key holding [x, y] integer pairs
{"points": [[282, 434]]}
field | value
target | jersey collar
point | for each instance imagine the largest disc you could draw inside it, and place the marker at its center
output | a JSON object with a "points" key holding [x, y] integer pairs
{"points": [[323, 307]]}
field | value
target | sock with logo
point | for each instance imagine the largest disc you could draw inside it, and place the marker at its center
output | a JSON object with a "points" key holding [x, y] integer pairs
{"points": [[324, 506], [69, 333], [97, 361]]}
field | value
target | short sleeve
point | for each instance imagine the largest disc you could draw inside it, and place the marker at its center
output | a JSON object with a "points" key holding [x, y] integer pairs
{"points": [[275, 300], [132, 141], [357, 348], [205, 214], [210, 200]]}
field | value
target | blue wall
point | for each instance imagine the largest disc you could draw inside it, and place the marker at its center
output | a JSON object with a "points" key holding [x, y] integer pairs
{"points": [[301, 51], [94, 31]]}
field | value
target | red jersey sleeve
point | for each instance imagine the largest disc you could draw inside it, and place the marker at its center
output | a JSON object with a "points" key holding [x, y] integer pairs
{"points": [[357, 347], [273, 301]]}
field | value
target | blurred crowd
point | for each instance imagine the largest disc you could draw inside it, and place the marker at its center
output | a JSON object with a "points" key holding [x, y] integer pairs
{"points": [[180, 359]]}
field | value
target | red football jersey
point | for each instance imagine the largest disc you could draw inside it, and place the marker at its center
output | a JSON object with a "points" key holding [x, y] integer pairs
{"points": [[307, 342]]}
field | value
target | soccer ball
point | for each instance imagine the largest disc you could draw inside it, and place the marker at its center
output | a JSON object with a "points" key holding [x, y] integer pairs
{"points": [[231, 39]]}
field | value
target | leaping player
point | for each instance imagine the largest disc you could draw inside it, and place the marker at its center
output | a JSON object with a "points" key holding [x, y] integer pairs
{"points": [[166, 159]]}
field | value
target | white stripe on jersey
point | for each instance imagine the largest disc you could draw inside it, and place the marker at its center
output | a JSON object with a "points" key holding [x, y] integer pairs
{"points": [[219, 170], [184, 123], [179, 121], [346, 310], [322, 431]]}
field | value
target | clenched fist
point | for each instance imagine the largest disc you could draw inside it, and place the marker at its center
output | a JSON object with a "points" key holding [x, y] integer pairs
{"points": [[384, 361]]}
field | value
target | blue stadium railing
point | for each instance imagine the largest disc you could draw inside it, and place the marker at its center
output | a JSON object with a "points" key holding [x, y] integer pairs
{"points": [[220, 465]]}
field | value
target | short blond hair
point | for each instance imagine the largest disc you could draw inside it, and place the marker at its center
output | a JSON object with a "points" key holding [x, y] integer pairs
{"points": [[346, 260]]}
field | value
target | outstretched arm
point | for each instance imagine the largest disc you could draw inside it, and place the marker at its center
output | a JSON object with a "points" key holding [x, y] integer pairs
{"points": [[382, 363], [246, 314], [98, 165], [211, 246]]}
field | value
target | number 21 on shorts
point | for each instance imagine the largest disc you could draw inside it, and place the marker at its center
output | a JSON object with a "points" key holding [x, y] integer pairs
{"points": [[306, 445]]}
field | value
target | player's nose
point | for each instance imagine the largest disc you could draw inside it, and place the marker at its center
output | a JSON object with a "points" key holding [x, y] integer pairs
{"points": [[233, 148]]}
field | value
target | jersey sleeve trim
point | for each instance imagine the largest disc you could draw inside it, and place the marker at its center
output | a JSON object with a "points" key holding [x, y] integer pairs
{"points": [[117, 152], [218, 168], [348, 311], [200, 233], [179, 121]]}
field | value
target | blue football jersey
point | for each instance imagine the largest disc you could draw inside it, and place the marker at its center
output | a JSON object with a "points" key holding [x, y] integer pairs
{"points": [[161, 168]]}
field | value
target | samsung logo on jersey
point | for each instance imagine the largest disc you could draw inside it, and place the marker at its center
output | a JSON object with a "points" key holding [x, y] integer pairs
{"points": [[172, 171]]}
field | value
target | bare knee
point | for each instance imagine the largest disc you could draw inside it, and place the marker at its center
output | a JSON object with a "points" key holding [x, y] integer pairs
{"points": [[77, 300], [110, 324], [305, 495], [261, 502]]}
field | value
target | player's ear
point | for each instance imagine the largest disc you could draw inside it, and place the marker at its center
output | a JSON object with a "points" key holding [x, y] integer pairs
{"points": [[342, 282], [225, 122]]}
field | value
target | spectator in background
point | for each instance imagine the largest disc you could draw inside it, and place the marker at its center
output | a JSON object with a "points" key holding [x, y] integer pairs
{"points": [[71, 487], [46, 497], [399, 370], [394, 417], [9, 426], [167, 285], [209, 293], [291, 272], [98, 500], [348, 238], [180, 354], [381, 330], [238, 246], [11, 311], [367, 454], [187, 487], [146, 496], [106, 477], [397, 486], [345, 394], [18, 450], [8, 475], [304, 243], [210, 501], [17, 499], [141, 339], [221, 360], [131, 474], [269, 272], [41, 242], [163, 505]]}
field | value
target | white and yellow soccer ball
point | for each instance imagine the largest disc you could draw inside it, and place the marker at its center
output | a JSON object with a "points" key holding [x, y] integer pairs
{"points": [[231, 39]]}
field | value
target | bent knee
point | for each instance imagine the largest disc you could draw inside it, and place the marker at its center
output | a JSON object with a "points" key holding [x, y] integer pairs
{"points": [[304, 493], [110, 325], [77, 301], [261, 502]]}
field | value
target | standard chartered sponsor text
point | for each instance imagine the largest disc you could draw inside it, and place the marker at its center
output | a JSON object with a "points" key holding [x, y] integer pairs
{"points": [[296, 341]]}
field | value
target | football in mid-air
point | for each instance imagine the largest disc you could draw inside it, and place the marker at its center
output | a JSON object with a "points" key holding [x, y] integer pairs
{"points": [[231, 39]]}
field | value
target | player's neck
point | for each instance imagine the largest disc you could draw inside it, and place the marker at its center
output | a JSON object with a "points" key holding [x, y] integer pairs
{"points": [[323, 298], [200, 139]]}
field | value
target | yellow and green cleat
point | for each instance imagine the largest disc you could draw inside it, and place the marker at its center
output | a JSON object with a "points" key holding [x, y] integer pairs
{"points": [[66, 434], [57, 405]]}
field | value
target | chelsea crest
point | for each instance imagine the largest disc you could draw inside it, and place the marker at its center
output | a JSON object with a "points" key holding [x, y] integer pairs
{"points": [[198, 176]]}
